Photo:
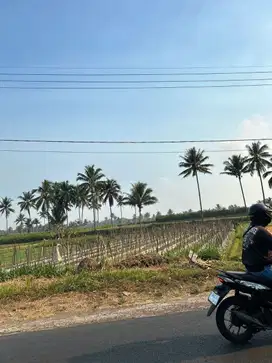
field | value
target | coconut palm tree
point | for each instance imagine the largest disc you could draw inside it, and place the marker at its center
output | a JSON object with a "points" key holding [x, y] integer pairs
{"points": [[130, 200], [194, 162], [66, 195], [29, 224], [36, 222], [237, 166], [6, 208], [96, 203], [120, 203], [44, 216], [91, 181], [110, 191], [80, 200], [20, 220], [258, 161], [44, 197], [140, 196], [57, 215], [265, 175], [27, 201]]}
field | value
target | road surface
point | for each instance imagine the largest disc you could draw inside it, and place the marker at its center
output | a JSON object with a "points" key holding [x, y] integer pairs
{"points": [[188, 337]]}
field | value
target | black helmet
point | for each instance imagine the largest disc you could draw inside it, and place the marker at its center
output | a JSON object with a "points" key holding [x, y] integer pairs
{"points": [[260, 214]]}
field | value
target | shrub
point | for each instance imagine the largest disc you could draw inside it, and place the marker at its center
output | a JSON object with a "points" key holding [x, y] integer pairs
{"points": [[209, 253]]}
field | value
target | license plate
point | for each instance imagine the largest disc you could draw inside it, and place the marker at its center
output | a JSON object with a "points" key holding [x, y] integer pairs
{"points": [[213, 298]]}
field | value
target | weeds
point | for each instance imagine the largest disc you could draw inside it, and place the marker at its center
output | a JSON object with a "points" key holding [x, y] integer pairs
{"points": [[234, 251], [39, 271], [64, 281], [209, 253]]}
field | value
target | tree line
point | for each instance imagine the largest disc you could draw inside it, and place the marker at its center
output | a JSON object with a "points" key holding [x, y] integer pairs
{"points": [[258, 161], [233, 211], [54, 200]]}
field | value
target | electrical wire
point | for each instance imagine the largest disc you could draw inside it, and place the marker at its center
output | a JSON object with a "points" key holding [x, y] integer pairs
{"points": [[132, 68], [137, 88], [133, 141], [58, 74], [134, 81], [111, 152]]}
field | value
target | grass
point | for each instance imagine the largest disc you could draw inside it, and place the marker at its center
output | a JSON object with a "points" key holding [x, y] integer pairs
{"points": [[234, 251], [165, 278], [41, 281], [210, 252], [31, 293]]}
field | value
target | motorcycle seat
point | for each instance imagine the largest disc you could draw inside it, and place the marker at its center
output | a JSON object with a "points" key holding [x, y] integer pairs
{"points": [[246, 276]]}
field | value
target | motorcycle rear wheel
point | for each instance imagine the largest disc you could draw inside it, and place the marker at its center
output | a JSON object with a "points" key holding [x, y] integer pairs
{"points": [[240, 339]]}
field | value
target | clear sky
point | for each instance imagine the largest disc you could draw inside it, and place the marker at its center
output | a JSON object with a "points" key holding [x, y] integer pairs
{"points": [[125, 34]]}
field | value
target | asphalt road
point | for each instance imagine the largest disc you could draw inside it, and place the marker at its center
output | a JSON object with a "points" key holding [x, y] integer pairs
{"points": [[187, 337]]}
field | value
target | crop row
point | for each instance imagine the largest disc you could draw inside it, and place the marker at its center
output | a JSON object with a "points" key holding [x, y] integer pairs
{"points": [[117, 246]]}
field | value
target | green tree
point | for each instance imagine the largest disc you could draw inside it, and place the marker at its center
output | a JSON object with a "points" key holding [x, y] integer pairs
{"points": [[130, 200], [6, 209], [170, 212], [237, 166], [44, 197], [120, 204], [66, 195], [36, 222], [147, 216], [194, 162], [110, 192], [80, 200], [28, 224], [44, 215], [91, 181], [57, 215], [265, 175], [140, 195], [27, 201], [20, 220], [258, 161]]}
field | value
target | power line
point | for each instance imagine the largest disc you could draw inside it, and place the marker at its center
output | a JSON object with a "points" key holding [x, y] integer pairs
{"points": [[114, 152], [134, 81], [57, 74], [133, 142], [137, 88], [132, 68]]}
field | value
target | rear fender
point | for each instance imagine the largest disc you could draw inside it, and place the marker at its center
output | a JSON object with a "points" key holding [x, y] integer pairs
{"points": [[222, 290]]}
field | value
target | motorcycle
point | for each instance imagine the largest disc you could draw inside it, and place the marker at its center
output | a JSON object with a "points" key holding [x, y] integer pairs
{"points": [[250, 306]]}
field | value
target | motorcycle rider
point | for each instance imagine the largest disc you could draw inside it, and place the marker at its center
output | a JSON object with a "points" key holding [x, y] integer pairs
{"points": [[257, 243]]}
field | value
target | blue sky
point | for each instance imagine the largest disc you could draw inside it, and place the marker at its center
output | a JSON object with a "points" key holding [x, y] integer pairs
{"points": [[127, 34]]}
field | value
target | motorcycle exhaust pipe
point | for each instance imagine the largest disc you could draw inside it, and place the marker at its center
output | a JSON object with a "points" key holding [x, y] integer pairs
{"points": [[248, 319]]}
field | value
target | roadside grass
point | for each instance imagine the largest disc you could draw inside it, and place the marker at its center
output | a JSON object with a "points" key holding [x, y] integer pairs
{"points": [[234, 250], [45, 283], [210, 252]]}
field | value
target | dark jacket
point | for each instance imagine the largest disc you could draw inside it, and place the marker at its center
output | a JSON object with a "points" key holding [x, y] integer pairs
{"points": [[257, 243]]}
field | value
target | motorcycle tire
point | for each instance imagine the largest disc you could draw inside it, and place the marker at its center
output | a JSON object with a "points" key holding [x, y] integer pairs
{"points": [[224, 330]]}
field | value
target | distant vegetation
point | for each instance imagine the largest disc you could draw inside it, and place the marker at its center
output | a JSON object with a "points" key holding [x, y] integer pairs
{"points": [[54, 200], [218, 212], [258, 161]]}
